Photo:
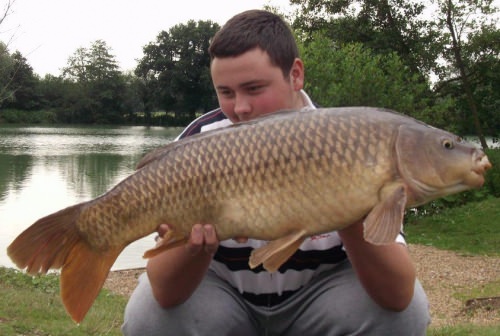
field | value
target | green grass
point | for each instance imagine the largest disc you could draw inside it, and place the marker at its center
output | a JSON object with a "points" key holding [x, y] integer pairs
{"points": [[32, 306], [465, 330], [473, 228], [491, 289]]}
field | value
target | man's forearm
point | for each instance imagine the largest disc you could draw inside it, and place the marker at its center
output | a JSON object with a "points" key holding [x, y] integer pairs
{"points": [[175, 274], [386, 271]]}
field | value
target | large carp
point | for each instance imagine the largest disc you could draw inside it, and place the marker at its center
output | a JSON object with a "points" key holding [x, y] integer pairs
{"points": [[280, 178]]}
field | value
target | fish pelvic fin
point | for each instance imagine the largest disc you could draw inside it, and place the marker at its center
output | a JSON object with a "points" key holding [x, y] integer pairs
{"points": [[384, 222], [54, 242], [277, 252], [169, 240]]}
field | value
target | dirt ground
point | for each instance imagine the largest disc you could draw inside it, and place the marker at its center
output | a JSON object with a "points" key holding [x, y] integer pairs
{"points": [[442, 274]]}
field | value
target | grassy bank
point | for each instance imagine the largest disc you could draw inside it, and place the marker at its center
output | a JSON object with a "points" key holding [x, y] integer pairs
{"points": [[472, 229], [32, 306], [465, 330]]}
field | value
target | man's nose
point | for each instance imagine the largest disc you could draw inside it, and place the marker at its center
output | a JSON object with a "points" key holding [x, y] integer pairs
{"points": [[242, 106]]}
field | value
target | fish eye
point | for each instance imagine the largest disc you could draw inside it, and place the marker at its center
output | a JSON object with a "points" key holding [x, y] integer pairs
{"points": [[448, 144]]}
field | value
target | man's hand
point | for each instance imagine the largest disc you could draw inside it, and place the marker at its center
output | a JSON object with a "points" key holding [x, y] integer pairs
{"points": [[203, 238], [241, 240], [175, 273]]}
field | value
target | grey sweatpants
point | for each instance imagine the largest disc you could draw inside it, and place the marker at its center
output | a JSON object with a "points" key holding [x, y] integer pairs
{"points": [[334, 303]]}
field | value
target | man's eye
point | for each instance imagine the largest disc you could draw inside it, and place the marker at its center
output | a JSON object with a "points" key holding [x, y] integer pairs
{"points": [[255, 89], [226, 93]]}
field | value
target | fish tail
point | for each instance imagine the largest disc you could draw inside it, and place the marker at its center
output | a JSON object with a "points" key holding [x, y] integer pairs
{"points": [[54, 242]]}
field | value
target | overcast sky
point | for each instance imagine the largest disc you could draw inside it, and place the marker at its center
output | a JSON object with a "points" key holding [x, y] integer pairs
{"points": [[47, 32]]}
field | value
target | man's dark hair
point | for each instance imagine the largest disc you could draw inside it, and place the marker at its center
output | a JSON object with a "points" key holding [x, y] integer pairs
{"points": [[252, 29]]}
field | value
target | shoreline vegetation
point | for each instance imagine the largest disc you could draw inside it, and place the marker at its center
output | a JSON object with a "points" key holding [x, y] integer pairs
{"points": [[48, 117]]}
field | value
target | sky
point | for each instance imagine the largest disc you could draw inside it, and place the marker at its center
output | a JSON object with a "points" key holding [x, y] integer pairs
{"points": [[48, 32]]}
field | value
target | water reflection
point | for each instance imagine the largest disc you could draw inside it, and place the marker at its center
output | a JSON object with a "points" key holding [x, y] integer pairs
{"points": [[44, 169], [13, 171]]}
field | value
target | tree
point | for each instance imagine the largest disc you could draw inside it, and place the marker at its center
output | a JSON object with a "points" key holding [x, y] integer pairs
{"points": [[395, 33], [53, 91], [92, 64], [6, 69], [485, 80], [383, 26], [23, 84], [451, 47], [353, 75], [7, 10], [6, 61], [175, 70], [101, 85], [132, 98], [470, 37]]}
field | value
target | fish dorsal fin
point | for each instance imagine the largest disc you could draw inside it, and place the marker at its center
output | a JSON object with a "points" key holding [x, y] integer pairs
{"points": [[169, 240], [276, 252], [383, 223], [158, 153]]}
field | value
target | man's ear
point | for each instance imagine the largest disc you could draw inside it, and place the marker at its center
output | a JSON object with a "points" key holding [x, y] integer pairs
{"points": [[297, 74]]}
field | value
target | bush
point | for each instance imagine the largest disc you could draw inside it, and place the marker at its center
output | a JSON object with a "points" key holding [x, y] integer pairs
{"points": [[13, 116], [492, 183]]}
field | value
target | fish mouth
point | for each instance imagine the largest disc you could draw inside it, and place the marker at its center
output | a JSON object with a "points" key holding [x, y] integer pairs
{"points": [[480, 166], [483, 164]]}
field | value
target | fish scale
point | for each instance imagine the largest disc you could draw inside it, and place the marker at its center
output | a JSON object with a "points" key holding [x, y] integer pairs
{"points": [[280, 178]]}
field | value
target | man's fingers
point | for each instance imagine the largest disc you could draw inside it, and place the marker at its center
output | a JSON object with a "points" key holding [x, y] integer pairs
{"points": [[210, 237], [241, 240], [203, 237], [196, 240], [211, 241], [162, 229]]}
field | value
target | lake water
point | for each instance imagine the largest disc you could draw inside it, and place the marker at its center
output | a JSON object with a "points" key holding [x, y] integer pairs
{"points": [[44, 169]]}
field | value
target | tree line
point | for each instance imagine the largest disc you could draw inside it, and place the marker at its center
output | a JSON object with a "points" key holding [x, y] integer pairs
{"points": [[442, 68]]}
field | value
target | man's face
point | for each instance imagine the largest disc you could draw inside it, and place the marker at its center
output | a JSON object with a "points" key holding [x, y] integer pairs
{"points": [[249, 86]]}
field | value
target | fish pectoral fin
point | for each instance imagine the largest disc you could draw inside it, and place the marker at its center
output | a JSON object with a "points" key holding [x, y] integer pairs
{"points": [[169, 240], [383, 223], [276, 252]]}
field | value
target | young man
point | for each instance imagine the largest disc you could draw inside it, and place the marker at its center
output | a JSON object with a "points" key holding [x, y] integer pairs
{"points": [[336, 284]]}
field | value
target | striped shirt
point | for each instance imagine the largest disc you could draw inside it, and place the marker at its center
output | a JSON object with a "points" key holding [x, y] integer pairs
{"points": [[259, 287]]}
